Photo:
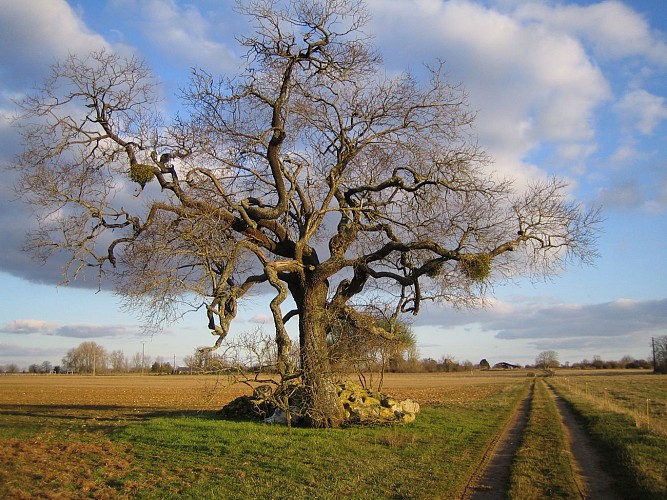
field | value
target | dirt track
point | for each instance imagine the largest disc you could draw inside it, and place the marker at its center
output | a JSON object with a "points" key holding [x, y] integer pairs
{"points": [[592, 480], [492, 480]]}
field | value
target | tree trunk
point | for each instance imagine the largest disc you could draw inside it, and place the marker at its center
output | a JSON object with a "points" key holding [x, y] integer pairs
{"points": [[322, 405]]}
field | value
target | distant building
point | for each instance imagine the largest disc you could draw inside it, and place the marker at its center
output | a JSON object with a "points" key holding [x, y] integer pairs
{"points": [[505, 366]]}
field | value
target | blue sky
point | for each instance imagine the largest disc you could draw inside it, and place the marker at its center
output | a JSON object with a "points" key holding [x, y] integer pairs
{"points": [[574, 89]]}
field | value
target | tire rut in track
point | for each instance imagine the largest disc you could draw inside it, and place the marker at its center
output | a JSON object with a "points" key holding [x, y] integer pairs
{"points": [[592, 480], [491, 481]]}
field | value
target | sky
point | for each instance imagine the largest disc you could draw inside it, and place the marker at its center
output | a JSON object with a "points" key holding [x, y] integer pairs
{"points": [[576, 89]]}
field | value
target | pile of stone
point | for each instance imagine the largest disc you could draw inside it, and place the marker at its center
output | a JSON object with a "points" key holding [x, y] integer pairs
{"points": [[368, 406], [361, 406]]}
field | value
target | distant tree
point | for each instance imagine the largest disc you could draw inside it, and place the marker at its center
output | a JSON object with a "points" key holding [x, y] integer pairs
{"points": [[659, 346], [161, 366], [140, 362], [315, 172], [484, 365], [46, 367], [205, 361], [88, 357], [118, 362], [598, 363], [627, 361], [12, 368], [547, 360]]}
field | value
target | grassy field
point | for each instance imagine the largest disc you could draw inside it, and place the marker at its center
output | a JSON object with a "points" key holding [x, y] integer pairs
{"points": [[610, 407], [159, 437], [643, 396]]}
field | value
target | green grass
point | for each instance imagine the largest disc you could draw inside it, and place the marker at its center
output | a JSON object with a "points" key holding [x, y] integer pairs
{"points": [[541, 467], [208, 458], [100, 452], [625, 394], [636, 456]]}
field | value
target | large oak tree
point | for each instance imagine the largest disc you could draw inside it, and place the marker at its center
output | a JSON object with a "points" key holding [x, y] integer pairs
{"points": [[313, 173]]}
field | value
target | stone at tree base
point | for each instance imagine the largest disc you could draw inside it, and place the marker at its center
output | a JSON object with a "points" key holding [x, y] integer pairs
{"points": [[368, 406], [361, 406]]}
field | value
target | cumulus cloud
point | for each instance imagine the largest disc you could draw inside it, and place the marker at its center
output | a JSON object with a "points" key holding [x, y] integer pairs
{"points": [[37, 33], [642, 110], [181, 33], [613, 28], [531, 84]]}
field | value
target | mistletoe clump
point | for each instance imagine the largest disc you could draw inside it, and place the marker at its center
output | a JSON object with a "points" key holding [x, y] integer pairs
{"points": [[141, 173], [477, 267]]}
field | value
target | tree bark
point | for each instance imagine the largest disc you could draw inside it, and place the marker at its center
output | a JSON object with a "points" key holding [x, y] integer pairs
{"points": [[322, 405]]}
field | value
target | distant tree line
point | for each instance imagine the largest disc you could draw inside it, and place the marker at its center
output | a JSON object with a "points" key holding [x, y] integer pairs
{"points": [[254, 353]]}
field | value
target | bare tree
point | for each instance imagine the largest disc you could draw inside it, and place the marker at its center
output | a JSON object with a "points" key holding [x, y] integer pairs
{"points": [[659, 348], [87, 357], [118, 361], [547, 359], [311, 172]]}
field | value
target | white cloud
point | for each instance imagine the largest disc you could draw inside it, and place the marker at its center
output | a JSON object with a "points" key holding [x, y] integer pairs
{"points": [[531, 83], [614, 29], [642, 110], [37, 33], [181, 33], [29, 326]]}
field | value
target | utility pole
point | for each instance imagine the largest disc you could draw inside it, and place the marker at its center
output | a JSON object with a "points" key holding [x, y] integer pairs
{"points": [[655, 366], [143, 350]]}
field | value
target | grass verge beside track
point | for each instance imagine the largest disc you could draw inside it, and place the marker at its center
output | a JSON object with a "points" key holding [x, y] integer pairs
{"points": [[634, 456]]}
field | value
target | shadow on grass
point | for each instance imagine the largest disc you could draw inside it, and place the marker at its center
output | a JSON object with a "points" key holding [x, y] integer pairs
{"points": [[89, 418]]}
